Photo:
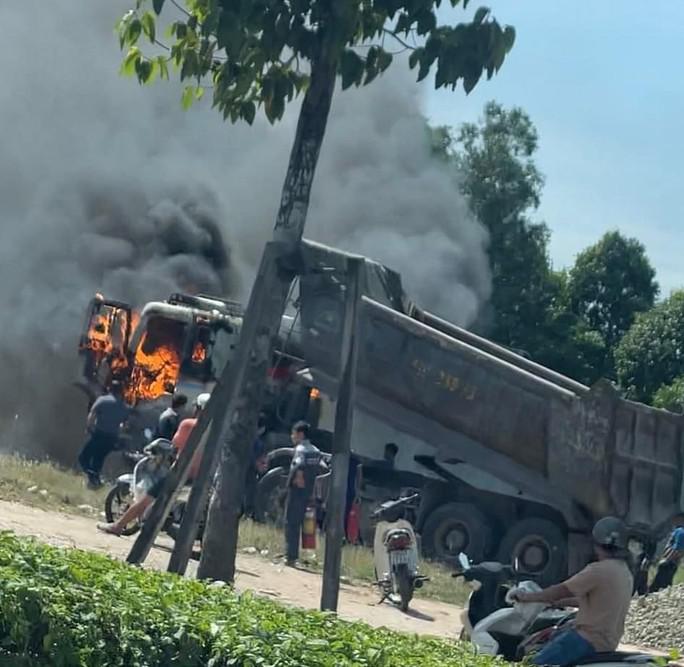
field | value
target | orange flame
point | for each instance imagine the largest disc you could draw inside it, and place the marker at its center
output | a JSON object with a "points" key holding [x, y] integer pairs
{"points": [[199, 353], [155, 369], [106, 329], [153, 373]]}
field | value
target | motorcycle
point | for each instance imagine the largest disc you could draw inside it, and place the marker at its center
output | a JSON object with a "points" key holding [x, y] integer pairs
{"points": [[129, 488], [497, 624], [123, 494], [395, 552]]}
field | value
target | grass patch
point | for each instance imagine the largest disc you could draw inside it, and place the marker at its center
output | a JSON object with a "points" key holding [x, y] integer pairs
{"points": [[43, 484], [66, 491], [357, 563], [69, 608]]}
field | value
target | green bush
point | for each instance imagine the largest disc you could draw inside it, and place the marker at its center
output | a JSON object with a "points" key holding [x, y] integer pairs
{"points": [[64, 607]]}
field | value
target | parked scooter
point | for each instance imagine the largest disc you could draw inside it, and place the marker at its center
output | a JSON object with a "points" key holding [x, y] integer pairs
{"points": [[498, 625], [395, 552]]}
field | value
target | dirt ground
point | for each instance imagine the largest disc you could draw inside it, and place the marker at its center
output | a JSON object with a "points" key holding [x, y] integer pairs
{"points": [[295, 587], [255, 573]]}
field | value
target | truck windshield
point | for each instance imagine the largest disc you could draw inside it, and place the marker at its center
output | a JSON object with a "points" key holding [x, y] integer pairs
{"points": [[207, 354]]}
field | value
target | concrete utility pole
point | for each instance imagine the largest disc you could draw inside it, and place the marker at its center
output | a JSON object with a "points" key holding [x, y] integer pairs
{"points": [[344, 419]]}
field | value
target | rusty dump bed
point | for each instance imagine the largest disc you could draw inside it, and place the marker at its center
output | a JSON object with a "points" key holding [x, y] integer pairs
{"points": [[478, 403]]}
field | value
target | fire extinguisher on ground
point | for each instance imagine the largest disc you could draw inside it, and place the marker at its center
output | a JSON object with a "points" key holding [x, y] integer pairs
{"points": [[353, 527], [309, 534]]}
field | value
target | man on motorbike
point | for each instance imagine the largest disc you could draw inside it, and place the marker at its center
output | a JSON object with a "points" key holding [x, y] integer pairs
{"points": [[602, 591], [137, 509]]}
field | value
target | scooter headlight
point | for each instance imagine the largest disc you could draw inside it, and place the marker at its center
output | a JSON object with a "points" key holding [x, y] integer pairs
{"points": [[475, 585]]}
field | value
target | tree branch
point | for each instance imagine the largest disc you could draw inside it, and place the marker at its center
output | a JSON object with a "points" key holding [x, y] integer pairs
{"points": [[400, 40], [181, 9]]}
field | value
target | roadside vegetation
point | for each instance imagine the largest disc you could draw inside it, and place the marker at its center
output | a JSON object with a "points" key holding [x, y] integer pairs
{"points": [[47, 486], [107, 613], [44, 484]]}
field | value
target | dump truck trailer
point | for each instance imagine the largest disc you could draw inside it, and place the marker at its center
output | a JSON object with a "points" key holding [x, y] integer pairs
{"points": [[519, 461], [513, 460]]}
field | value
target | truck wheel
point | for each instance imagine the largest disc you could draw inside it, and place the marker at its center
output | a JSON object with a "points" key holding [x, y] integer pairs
{"points": [[540, 547], [455, 528], [271, 494]]}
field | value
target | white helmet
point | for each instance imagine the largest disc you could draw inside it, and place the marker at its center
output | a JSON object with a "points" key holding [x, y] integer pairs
{"points": [[202, 400]]}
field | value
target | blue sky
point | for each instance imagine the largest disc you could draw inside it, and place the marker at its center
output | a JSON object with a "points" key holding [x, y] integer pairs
{"points": [[603, 82]]}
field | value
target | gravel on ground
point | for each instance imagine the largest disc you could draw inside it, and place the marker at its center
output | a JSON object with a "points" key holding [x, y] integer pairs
{"points": [[657, 620]]}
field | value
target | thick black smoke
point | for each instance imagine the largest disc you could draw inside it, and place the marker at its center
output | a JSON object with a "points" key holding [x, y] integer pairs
{"points": [[129, 242], [107, 186]]}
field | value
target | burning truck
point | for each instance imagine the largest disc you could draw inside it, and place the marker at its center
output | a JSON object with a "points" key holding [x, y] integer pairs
{"points": [[513, 460], [181, 344]]}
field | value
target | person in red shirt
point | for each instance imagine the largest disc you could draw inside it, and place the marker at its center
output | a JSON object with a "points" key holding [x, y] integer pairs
{"points": [[180, 440]]}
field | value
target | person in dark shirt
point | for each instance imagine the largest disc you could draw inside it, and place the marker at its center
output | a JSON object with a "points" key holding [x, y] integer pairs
{"points": [[170, 418], [104, 422], [375, 470], [383, 473], [305, 467]]}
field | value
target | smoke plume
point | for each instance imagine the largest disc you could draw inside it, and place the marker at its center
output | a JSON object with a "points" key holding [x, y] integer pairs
{"points": [[107, 186]]}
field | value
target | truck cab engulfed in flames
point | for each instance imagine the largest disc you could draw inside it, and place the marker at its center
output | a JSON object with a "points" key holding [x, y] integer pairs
{"points": [[513, 460], [181, 344]]}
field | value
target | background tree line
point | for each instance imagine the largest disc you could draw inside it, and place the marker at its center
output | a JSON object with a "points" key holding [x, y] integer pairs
{"points": [[598, 318]]}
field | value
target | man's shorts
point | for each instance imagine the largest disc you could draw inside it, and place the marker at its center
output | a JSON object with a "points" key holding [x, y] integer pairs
{"points": [[156, 488]]}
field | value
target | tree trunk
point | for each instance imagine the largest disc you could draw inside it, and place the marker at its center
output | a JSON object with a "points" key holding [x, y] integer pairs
{"points": [[220, 539], [344, 422], [229, 389]]}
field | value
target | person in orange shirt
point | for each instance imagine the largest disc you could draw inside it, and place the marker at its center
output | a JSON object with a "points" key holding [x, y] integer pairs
{"points": [[180, 440]]}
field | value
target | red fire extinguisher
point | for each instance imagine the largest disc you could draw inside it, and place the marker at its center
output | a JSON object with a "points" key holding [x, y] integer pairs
{"points": [[353, 524], [309, 529]]}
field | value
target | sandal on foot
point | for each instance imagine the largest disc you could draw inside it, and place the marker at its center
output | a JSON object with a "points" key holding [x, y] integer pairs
{"points": [[108, 528]]}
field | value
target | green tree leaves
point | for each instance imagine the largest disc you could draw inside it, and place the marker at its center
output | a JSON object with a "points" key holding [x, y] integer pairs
{"points": [[609, 284], [259, 54], [651, 353], [352, 68], [502, 184], [148, 24], [670, 396], [571, 321]]}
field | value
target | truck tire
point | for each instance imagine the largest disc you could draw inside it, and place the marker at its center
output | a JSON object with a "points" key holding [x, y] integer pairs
{"points": [[540, 547], [271, 494], [455, 528]]}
